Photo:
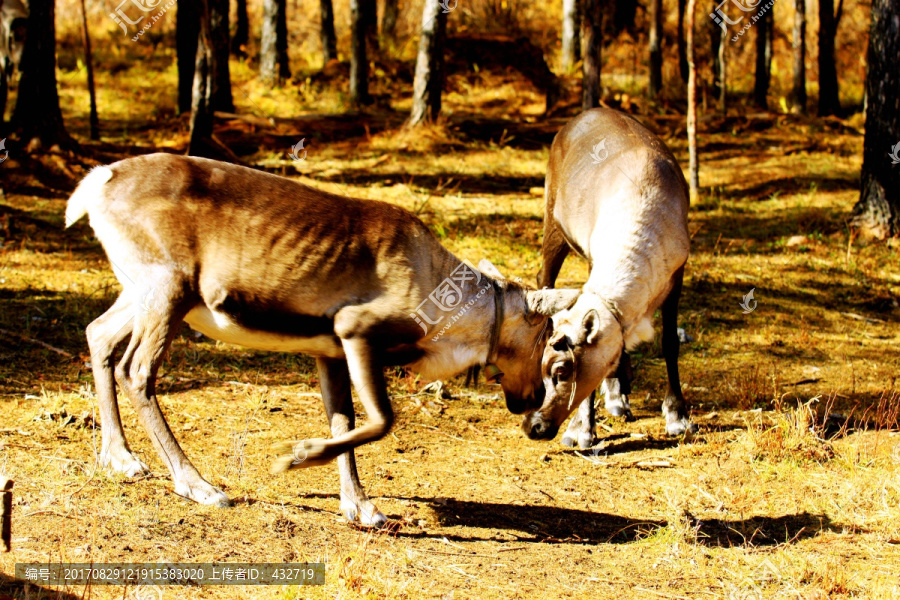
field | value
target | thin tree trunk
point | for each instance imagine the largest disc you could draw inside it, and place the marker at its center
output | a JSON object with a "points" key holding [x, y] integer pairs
{"points": [[201, 104], [798, 90], [829, 100], [242, 31], [273, 60], [878, 211], [592, 40], [693, 162], [570, 38], [369, 14], [763, 61], [89, 64], [359, 63], [723, 77], [389, 19], [187, 24], [429, 76], [218, 29], [655, 38], [682, 50], [329, 41], [37, 114]]}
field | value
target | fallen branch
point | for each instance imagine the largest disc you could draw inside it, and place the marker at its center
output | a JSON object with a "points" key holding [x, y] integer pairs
{"points": [[34, 341]]}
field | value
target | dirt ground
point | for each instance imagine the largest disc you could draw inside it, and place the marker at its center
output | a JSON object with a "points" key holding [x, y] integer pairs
{"points": [[767, 502]]}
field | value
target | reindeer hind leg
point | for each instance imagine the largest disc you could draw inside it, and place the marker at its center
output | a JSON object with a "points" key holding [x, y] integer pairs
{"points": [[105, 333], [155, 326]]}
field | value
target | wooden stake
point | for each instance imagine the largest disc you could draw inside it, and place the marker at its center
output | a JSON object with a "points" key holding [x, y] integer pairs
{"points": [[6, 513]]}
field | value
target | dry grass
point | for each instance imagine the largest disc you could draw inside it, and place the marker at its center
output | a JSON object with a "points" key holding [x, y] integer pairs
{"points": [[764, 503]]}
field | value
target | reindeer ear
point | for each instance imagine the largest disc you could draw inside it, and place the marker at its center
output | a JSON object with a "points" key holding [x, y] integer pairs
{"points": [[486, 267], [548, 302], [591, 327]]}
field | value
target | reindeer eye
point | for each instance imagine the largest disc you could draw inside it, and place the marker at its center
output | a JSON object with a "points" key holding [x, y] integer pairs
{"points": [[562, 370]]}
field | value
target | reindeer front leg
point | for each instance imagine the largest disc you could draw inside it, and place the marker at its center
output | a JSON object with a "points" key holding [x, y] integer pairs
{"points": [[334, 378], [368, 379]]}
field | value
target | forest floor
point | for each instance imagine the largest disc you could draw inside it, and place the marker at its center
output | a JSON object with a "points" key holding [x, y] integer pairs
{"points": [[766, 502]]}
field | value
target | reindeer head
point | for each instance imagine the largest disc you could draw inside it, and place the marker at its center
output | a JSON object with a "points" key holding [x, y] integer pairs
{"points": [[526, 321], [583, 347]]}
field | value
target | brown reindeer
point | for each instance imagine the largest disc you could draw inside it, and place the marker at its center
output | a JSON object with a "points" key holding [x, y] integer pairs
{"points": [[268, 263]]}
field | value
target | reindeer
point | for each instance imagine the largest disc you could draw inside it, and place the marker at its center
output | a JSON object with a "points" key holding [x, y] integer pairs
{"points": [[616, 195], [13, 26], [261, 261]]}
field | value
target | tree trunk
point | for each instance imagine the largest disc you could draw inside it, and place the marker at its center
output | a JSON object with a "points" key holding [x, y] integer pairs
{"points": [[326, 32], [429, 76], [273, 58], [798, 42], [592, 39], [359, 63], [369, 13], [89, 64], [570, 38], [682, 49], [201, 104], [37, 114], [242, 31], [719, 40], [763, 60], [218, 29], [878, 211], [389, 19], [187, 24], [656, 32], [624, 13], [693, 162], [829, 102]]}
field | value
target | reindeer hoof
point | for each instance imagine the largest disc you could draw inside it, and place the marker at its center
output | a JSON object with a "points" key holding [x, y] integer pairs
{"points": [[569, 440], [203, 493], [364, 514], [585, 440], [123, 462], [619, 409], [682, 427], [300, 455]]}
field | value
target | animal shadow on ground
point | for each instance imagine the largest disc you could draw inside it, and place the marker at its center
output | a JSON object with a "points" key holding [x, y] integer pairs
{"points": [[622, 443], [555, 525]]}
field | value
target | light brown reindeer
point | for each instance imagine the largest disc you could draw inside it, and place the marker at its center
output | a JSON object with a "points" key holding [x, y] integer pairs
{"points": [[616, 195], [265, 262]]}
